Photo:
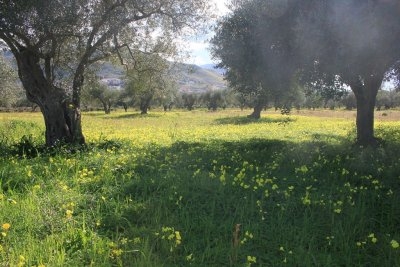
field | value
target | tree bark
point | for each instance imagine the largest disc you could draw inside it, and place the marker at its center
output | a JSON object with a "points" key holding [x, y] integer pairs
{"points": [[365, 93], [106, 106], [145, 104], [256, 111], [62, 118]]}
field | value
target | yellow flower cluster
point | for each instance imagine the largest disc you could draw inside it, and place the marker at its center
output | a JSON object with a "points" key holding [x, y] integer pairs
{"points": [[172, 236], [69, 210]]}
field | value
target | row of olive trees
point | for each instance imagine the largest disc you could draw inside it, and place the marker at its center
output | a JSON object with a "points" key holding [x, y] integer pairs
{"points": [[271, 47], [154, 86]]}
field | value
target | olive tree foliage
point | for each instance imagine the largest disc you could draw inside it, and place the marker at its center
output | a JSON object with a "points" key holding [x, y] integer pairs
{"points": [[55, 41], [317, 40], [149, 78], [212, 99], [189, 100], [355, 40], [254, 45], [10, 90], [95, 91]]}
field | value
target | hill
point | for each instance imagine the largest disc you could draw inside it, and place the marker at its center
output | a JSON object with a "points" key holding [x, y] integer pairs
{"points": [[190, 78], [196, 79], [214, 68]]}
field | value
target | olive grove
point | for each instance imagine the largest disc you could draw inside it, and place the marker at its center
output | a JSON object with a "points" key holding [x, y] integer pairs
{"points": [[55, 41]]}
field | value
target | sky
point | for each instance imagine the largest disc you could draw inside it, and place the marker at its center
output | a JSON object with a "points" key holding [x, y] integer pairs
{"points": [[198, 45]]}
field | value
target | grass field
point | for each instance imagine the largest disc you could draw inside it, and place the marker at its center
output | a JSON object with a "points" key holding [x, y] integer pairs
{"points": [[201, 189]]}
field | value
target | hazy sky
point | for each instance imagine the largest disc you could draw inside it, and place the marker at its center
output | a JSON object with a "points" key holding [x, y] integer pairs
{"points": [[198, 44]]}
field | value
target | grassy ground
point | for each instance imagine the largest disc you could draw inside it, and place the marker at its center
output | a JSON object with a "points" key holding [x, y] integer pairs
{"points": [[201, 189]]}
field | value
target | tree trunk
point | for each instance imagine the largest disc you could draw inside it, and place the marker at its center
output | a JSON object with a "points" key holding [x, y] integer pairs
{"points": [[145, 104], [256, 111], [63, 123], [365, 93], [106, 106], [62, 119]]}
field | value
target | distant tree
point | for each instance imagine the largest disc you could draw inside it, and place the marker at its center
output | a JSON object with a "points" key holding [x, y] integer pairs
{"points": [[355, 40], [324, 92], [149, 78], [212, 99], [350, 101], [384, 100], [54, 42], [189, 100], [10, 90], [254, 45], [104, 94], [168, 96], [395, 96]]}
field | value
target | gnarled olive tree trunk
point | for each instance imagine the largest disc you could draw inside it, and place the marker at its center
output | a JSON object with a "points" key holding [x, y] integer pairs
{"points": [[258, 107], [62, 117]]}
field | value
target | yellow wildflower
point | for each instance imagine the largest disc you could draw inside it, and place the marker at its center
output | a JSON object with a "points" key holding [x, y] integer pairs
{"points": [[6, 226], [189, 257], [22, 261], [337, 211], [69, 213], [36, 187], [115, 253], [178, 238], [251, 259], [394, 244]]}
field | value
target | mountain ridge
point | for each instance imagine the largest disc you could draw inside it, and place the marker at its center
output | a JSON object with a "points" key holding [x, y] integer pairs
{"points": [[191, 78]]}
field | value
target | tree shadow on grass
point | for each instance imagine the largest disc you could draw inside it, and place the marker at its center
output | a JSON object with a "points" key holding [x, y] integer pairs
{"points": [[124, 116], [203, 189], [137, 115], [240, 120]]}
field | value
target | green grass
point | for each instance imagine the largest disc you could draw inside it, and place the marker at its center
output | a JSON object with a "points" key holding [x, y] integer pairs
{"points": [[169, 189]]}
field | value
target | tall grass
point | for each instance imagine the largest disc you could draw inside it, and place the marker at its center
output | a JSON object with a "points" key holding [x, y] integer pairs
{"points": [[200, 189]]}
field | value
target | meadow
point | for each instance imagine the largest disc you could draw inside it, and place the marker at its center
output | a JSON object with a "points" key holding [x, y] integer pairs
{"points": [[201, 189]]}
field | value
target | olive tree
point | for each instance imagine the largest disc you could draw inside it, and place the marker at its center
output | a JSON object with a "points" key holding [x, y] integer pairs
{"points": [[10, 90], [148, 78], [100, 92], [254, 44], [355, 40], [55, 41], [318, 40]]}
